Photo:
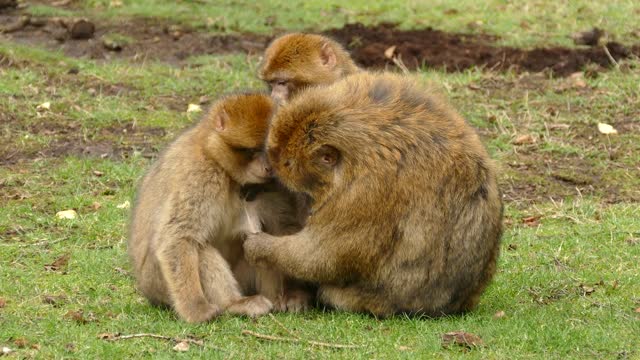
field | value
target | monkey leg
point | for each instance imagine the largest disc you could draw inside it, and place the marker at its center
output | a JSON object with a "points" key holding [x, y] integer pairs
{"points": [[356, 300], [151, 283], [179, 262], [270, 284], [221, 288]]}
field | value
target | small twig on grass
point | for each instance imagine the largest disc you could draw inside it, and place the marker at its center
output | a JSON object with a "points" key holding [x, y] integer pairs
{"points": [[283, 327], [294, 340], [399, 63], [116, 337], [613, 61]]}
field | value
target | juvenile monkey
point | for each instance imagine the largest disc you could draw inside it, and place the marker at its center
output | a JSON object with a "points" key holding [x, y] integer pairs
{"points": [[185, 239], [406, 214], [295, 61]]}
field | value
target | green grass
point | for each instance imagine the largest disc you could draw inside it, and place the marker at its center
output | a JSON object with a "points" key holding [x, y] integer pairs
{"points": [[520, 23], [568, 282]]}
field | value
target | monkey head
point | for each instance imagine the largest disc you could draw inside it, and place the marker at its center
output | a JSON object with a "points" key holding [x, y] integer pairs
{"points": [[301, 148], [295, 61], [240, 125]]}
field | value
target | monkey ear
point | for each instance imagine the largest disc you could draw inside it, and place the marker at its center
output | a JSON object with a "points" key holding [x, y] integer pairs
{"points": [[328, 156], [220, 120], [328, 56]]}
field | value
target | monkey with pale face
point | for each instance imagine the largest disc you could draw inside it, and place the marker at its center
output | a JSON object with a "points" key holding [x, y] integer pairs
{"points": [[190, 219], [295, 61], [406, 215]]}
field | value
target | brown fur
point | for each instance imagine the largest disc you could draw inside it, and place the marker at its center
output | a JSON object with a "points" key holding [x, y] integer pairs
{"points": [[186, 234], [406, 215], [295, 61]]}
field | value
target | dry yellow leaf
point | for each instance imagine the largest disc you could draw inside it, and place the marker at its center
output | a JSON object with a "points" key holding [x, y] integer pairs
{"points": [[124, 205], [389, 52], [606, 129], [67, 214], [194, 108], [181, 346]]}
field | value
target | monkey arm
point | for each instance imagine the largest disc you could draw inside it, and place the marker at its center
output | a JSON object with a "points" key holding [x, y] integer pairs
{"points": [[300, 256]]}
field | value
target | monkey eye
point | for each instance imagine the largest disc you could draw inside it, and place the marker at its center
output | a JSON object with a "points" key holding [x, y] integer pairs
{"points": [[249, 153], [328, 156], [281, 82]]}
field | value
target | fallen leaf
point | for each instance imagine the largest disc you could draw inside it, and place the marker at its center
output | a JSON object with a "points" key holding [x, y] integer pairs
{"points": [[614, 285], [531, 221], [97, 173], [96, 205], [108, 336], [67, 214], [576, 80], [115, 3], [204, 99], [573, 81], [44, 106], [3, 303], [558, 126], [461, 338], [121, 271], [181, 346], [194, 108], [403, 348], [35, 346], [587, 290], [512, 247], [524, 139], [637, 310], [70, 346], [606, 129], [124, 205], [59, 263], [499, 314], [61, 3], [21, 343], [55, 300], [6, 351], [390, 52], [77, 316]]}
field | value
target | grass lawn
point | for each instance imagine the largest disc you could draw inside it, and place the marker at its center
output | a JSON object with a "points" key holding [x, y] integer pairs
{"points": [[568, 284]]}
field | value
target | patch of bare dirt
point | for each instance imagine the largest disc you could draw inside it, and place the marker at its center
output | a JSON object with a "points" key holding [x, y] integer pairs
{"points": [[456, 52], [136, 39], [114, 142], [145, 39]]}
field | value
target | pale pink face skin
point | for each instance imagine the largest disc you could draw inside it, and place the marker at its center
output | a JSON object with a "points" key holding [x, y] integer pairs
{"points": [[280, 92], [258, 170]]}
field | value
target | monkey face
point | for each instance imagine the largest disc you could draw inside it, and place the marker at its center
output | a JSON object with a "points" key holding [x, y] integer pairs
{"points": [[258, 169], [295, 61], [311, 170], [279, 91]]}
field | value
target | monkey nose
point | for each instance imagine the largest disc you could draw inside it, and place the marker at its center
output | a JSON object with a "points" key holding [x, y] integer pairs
{"points": [[268, 170]]}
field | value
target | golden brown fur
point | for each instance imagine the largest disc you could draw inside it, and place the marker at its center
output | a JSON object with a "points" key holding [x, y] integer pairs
{"points": [[186, 234], [406, 214], [295, 61]]}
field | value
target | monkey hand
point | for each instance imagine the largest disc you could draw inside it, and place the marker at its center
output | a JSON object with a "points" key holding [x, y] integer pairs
{"points": [[257, 247]]}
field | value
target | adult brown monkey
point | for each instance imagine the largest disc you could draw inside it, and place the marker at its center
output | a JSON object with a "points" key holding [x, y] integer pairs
{"points": [[406, 214]]}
